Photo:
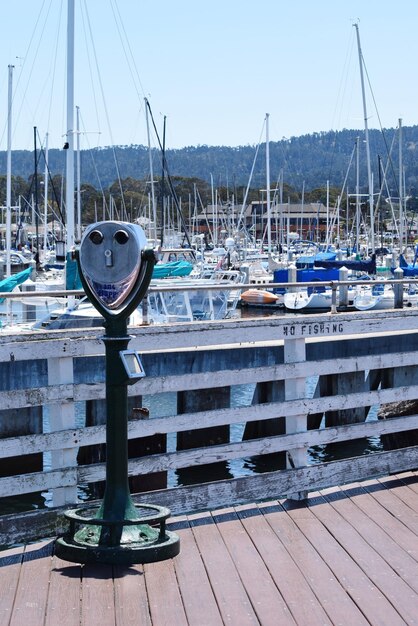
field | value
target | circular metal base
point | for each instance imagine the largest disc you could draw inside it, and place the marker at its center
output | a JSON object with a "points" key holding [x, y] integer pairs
{"points": [[129, 554], [118, 541]]}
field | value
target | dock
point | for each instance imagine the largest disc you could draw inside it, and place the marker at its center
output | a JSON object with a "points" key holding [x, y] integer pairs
{"points": [[288, 537], [345, 556]]}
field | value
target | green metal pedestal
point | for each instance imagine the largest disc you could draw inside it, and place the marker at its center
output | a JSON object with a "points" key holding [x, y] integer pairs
{"points": [[119, 531]]}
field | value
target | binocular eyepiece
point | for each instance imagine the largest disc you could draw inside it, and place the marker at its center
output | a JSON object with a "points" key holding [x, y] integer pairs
{"points": [[111, 261]]}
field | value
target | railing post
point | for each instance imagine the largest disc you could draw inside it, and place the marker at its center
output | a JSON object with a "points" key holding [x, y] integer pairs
{"points": [[145, 314], [398, 288], [333, 298], [292, 276], [343, 294], [28, 310], [295, 388], [62, 416]]}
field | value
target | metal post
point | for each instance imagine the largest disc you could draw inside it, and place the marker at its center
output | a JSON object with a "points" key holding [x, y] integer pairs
{"points": [[333, 298], [398, 288], [119, 531], [343, 294], [117, 502], [292, 276]]}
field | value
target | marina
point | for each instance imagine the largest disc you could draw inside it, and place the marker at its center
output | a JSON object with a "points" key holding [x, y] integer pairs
{"points": [[208, 408]]}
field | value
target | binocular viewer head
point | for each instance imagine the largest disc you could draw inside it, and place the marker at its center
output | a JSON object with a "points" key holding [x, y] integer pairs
{"points": [[111, 261]]}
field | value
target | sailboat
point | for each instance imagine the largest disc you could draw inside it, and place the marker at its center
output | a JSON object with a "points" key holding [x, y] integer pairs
{"points": [[8, 284], [316, 298], [381, 296], [409, 269]]}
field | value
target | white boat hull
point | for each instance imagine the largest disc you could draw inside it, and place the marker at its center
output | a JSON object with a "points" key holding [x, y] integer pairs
{"points": [[299, 300], [367, 300]]}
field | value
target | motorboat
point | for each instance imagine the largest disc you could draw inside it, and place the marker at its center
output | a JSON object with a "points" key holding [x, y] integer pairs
{"points": [[169, 300], [259, 296], [18, 263]]}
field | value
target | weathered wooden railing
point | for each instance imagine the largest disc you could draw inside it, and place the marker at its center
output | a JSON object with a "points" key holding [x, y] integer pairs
{"points": [[360, 360]]}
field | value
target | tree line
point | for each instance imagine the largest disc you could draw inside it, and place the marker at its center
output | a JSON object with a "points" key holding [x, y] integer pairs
{"points": [[310, 168]]}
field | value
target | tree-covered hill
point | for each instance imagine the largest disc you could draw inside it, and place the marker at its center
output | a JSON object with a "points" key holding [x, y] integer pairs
{"points": [[305, 163]]}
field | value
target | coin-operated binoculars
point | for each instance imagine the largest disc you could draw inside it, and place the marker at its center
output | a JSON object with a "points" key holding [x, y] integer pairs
{"points": [[115, 268]]}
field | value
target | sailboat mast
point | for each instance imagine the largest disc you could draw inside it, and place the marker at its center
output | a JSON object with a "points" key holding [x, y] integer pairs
{"points": [[9, 174], [401, 215], [151, 171], [165, 224], [327, 239], [366, 130], [301, 212], [268, 184], [35, 177], [46, 177], [214, 214], [69, 191], [78, 176], [357, 194]]}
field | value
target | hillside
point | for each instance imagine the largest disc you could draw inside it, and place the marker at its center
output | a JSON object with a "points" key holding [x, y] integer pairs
{"points": [[308, 161]]}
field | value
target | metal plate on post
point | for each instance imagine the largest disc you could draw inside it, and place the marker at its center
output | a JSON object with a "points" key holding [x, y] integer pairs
{"points": [[132, 364]]}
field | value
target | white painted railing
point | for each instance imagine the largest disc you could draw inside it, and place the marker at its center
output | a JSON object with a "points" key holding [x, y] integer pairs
{"points": [[290, 334], [54, 298]]}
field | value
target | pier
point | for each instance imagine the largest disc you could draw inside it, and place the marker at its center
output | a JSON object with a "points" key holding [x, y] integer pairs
{"points": [[345, 556], [290, 541]]}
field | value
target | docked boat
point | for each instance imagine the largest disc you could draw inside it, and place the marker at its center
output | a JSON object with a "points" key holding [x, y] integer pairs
{"points": [[409, 269], [367, 266], [189, 299], [18, 263], [259, 296], [307, 271], [319, 298], [172, 268], [12, 282], [381, 296], [169, 300], [307, 299]]}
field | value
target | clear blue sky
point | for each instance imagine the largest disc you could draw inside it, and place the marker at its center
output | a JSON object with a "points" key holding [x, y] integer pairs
{"points": [[214, 68]]}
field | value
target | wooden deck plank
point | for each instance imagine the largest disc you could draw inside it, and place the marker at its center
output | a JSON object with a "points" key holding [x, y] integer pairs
{"points": [[231, 596], [264, 595], [398, 559], [97, 601], [394, 505], [32, 591], [165, 603], [131, 602], [63, 605], [410, 479], [399, 533], [10, 564], [337, 603], [348, 557], [198, 599], [401, 491], [411, 476], [302, 602], [378, 591]]}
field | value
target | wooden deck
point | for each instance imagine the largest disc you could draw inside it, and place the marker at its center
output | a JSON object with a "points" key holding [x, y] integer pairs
{"points": [[347, 556]]}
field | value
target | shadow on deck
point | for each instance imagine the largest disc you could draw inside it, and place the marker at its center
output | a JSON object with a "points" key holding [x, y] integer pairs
{"points": [[346, 556]]}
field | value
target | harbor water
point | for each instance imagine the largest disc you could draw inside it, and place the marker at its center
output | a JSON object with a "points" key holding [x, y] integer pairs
{"points": [[165, 404]]}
